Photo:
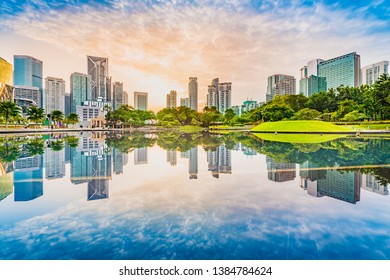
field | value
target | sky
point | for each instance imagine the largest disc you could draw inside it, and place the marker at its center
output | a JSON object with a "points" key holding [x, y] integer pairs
{"points": [[156, 45]]}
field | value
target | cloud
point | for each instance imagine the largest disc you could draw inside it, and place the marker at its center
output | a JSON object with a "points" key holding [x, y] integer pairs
{"points": [[238, 41]]}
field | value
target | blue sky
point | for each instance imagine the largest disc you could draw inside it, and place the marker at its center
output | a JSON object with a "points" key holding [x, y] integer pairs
{"points": [[155, 46]]}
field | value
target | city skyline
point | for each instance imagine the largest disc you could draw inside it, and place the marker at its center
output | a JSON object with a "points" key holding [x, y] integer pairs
{"points": [[235, 50]]}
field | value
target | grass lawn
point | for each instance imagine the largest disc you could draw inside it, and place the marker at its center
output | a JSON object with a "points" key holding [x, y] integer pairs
{"points": [[191, 128], [298, 138], [300, 126]]}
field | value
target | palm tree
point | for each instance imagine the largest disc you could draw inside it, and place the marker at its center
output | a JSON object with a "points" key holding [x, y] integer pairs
{"points": [[57, 116], [73, 118], [35, 114], [9, 109]]}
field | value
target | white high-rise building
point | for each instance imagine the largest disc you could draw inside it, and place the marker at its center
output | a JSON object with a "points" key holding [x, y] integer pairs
{"points": [[141, 101], [193, 93], [371, 73], [280, 84], [54, 97], [224, 96], [172, 99]]}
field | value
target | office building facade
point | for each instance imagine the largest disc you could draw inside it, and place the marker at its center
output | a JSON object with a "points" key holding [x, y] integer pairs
{"points": [[100, 80], [141, 101], [371, 73], [26, 96], [309, 83], [341, 71], [118, 94], [80, 90], [54, 95], [193, 93], [280, 84], [172, 99], [28, 72]]}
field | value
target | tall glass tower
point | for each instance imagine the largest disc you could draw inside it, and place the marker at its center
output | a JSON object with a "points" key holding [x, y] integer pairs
{"points": [[343, 70], [28, 72], [193, 93], [100, 81], [80, 90]]}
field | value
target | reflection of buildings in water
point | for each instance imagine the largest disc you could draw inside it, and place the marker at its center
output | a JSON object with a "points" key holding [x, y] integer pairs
{"points": [[28, 178], [119, 160], [185, 154], [6, 180], [372, 184], [280, 172], [309, 174], [67, 153], [141, 156], [219, 161], [172, 157], [54, 163], [193, 163], [320, 182], [98, 189], [343, 186], [90, 162]]}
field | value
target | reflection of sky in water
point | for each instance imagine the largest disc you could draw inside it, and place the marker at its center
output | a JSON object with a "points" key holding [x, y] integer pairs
{"points": [[154, 211]]}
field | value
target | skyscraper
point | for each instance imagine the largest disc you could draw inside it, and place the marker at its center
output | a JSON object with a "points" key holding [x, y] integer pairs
{"points": [[219, 95], [54, 95], [118, 95], [100, 81], [6, 88], [80, 90], [371, 73], [28, 72], [141, 101], [310, 84], [193, 92], [212, 96], [224, 96], [343, 70], [172, 99], [280, 84]]}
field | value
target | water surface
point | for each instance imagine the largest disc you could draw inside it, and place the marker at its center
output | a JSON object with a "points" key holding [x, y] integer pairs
{"points": [[193, 196]]}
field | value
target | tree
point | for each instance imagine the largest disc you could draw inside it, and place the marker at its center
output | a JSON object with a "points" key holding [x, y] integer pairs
{"points": [[229, 115], [210, 115], [35, 114], [73, 118], [275, 112], [306, 114], [9, 109], [57, 116]]}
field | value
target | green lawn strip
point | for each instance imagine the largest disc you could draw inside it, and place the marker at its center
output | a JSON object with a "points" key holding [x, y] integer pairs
{"points": [[298, 138], [190, 128], [300, 126]]}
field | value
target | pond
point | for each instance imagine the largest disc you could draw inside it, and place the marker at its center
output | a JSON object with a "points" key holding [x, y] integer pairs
{"points": [[193, 196]]}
